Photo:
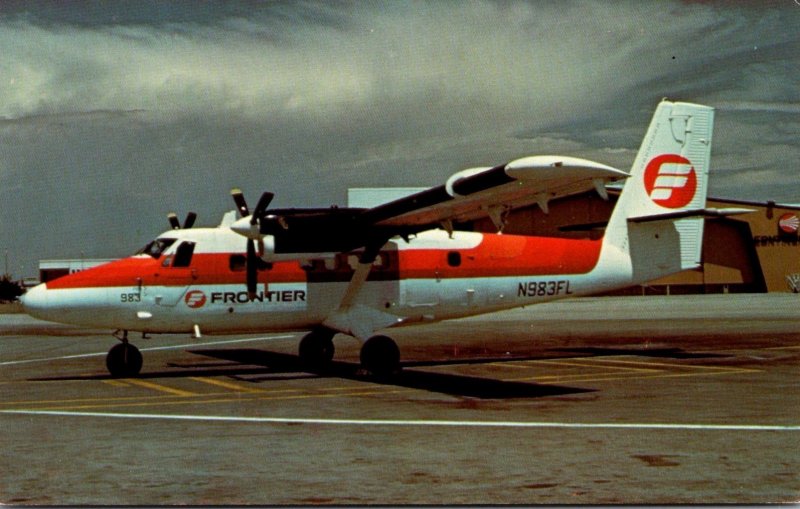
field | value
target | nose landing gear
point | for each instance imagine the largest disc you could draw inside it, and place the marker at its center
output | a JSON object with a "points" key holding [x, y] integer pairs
{"points": [[124, 360]]}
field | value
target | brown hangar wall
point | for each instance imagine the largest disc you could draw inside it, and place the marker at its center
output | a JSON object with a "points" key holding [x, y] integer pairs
{"points": [[749, 253]]}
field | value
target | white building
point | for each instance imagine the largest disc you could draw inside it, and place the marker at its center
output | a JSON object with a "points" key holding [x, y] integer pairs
{"points": [[52, 269]]}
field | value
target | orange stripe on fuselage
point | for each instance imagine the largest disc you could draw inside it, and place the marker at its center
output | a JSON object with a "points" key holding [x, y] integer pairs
{"points": [[495, 256], [505, 255]]}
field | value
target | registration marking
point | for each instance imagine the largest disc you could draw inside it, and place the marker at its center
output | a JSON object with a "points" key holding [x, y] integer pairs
{"points": [[418, 423]]}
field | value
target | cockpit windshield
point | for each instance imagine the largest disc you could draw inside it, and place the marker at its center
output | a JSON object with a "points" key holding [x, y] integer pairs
{"points": [[156, 247]]}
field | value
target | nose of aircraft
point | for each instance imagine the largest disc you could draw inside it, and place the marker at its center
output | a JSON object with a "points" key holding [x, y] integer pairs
{"points": [[34, 301]]}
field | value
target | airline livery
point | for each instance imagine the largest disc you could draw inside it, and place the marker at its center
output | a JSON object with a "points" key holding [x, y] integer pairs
{"points": [[361, 271]]}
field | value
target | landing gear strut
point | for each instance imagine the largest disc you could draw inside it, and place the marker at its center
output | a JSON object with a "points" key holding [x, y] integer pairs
{"points": [[124, 360], [380, 356], [316, 348]]}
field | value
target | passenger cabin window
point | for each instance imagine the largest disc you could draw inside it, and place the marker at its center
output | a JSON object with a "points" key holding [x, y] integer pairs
{"points": [[183, 255], [454, 258]]}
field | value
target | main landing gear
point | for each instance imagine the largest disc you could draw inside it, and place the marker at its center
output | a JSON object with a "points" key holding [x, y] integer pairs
{"points": [[316, 348], [379, 354], [124, 360]]}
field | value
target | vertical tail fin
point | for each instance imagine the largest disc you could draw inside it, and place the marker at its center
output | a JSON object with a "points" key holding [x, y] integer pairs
{"points": [[658, 219]]}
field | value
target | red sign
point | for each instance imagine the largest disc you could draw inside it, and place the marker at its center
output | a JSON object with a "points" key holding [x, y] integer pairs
{"points": [[195, 299], [788, 223], [670, 181]]}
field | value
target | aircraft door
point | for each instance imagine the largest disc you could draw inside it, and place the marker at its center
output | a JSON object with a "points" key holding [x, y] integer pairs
{"points": [[176, 275]]}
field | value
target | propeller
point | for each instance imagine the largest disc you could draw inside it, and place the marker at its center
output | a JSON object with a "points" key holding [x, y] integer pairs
{"points": [[172, 217], [252, 233]]}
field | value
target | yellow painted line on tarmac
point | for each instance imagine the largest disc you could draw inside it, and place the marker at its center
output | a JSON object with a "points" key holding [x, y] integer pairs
{"points": [[226, 384], [80, 400], [796, 347], [616, 369], [341, 388], [115, 383], [122, 399], [589, 363], [592, 362], [230, 398], [158, 387], [632, 376], [616, 375], [510, 365], [675, 366]]}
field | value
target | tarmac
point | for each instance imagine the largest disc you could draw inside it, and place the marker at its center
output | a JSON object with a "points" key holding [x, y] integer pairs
{"points": [[656, 400]]}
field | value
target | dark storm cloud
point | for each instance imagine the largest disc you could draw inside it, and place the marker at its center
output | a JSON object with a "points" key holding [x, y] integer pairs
{"points": [[115, 113]]}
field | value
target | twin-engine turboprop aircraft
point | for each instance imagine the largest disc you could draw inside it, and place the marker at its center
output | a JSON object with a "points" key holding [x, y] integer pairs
{"points": [[359, 271]]}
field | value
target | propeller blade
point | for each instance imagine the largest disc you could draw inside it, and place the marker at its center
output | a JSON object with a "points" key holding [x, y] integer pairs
{"points": [[261, 206], [252, 269], [191, 217], [241, 203], [173, 221]]}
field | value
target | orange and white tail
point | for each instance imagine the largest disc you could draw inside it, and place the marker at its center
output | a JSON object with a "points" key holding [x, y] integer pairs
{"points": [[658, 220]]}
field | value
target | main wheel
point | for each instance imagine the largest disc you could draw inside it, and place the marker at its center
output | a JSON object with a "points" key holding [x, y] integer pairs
{"points": [[380, 356], [124, 360], [316, 348]]}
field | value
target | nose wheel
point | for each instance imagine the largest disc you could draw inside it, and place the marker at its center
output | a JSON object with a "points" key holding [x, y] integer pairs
{"points": [[124, 360]]}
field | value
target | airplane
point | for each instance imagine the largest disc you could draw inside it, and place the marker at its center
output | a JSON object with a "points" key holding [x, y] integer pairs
{"points": [[360, 271]]}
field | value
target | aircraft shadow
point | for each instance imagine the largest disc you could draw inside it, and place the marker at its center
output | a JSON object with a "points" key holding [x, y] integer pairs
{"points": [[255, 366], [458, 385]]}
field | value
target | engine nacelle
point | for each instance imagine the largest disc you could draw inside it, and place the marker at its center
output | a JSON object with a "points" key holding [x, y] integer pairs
{"points": [[269, 252], [461, 175], [563, 171]]}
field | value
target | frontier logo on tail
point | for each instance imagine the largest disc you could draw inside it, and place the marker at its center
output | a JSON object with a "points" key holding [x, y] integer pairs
{"points": [[670, 181]]}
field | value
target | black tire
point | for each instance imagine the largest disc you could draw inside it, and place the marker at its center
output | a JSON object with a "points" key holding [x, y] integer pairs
{"points": [[380, 356], [124, 360], [316, 349]]}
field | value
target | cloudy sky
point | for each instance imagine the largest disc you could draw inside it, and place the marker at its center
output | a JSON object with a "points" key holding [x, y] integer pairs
{"points": [[113, 114]]}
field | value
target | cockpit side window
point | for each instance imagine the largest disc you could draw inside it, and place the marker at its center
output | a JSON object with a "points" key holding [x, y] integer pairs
{"points": [[183, 255], [156, 247]]}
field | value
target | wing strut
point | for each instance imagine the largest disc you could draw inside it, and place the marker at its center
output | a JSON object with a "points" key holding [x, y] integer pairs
{"points": [[360, 275], [356, 319]]}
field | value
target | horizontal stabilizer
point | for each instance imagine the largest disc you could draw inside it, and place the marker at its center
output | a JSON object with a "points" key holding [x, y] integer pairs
{"points": [[583, 227], [707, 212]]}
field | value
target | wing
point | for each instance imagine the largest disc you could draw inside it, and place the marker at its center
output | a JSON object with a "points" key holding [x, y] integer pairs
{"points": [[478, 192], [467, 195]]}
